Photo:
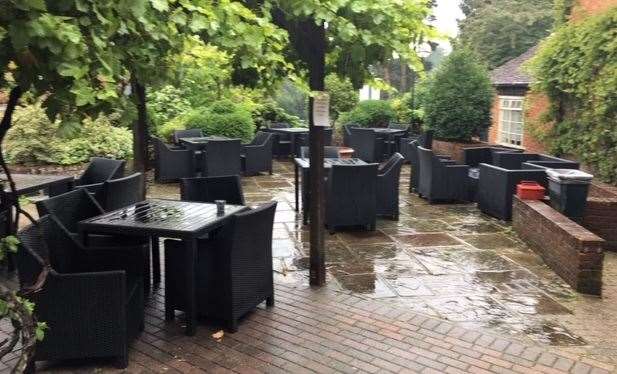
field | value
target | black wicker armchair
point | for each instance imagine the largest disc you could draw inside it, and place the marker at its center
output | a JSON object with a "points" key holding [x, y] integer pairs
{"points": [[234, 269], [172, 164], [209, 189], [366, 144], [90, 314], [497, 185], [441, 180], [351, 196], [388, 179], [257, 155], [484, 155], [190, 133], [98, 171], [121, 192], [328, 152], [72, 207], [514, 161], [281, 145], [222, 157]]}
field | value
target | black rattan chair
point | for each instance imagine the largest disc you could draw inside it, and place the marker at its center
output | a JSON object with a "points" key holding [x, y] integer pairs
{"points": [[121, 192], [209, 189], [366, 144], [497, 185], [190, 133], [222, 157], [98, 171], [441, 180], [281, 145], [72, 207], [328, 152], [234, 269], [351, 196], [172, 164], [257, 155], [388, 179], [90, 314], [514, 161], [483, 155]]}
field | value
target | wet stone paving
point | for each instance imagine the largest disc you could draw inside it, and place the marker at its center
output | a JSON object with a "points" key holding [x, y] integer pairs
{"points": [[448, 261], [441, 262]]}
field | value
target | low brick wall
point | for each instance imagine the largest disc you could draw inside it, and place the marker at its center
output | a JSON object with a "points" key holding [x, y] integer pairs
{"points": [[601, 213], [573, 252], [455, 149]]}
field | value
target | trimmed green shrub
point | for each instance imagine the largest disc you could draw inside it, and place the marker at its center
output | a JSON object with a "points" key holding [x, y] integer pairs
{"points": [[268, 112], [459, 97], [97, 137], [370, 113], [223, 117], [34, 139]]}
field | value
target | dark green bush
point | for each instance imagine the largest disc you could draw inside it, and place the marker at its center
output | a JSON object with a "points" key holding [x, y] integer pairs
{"points": [[457, 104], [223, 118], [370, 113]]}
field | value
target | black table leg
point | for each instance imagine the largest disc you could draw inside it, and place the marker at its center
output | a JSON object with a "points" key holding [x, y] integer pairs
{"points": [[156, 260], [296, 184], [191, 304]]}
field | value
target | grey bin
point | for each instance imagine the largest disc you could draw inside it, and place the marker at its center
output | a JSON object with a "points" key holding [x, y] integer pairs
{"points": [[568, 189]]}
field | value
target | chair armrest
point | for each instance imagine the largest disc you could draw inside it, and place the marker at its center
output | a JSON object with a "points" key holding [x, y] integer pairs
{"points": [[93, 188]]}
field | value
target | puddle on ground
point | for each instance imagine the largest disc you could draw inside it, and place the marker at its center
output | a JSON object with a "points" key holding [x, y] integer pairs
{"points": [[489, 241], [548, 332], [427, 240], [365, 284]]}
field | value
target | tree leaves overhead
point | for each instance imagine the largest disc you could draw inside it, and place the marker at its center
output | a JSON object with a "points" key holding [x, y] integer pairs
{"points": [[500, 30]]}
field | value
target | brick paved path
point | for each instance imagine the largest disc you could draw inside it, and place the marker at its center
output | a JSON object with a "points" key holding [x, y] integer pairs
{"points": [[323, 331], [347, 327]]}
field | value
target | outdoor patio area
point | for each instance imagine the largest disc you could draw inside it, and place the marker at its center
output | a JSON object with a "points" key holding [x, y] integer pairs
{"points": [[444, 289]]}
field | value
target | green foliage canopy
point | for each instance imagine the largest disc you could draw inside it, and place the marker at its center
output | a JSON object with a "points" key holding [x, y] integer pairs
{"points": [[343, 96], [577, 68], [458, 99], [370, 113], [500, 30]]}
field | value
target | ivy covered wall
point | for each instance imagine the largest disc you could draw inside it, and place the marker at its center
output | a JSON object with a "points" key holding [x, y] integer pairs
{"points": [[576, 67]]}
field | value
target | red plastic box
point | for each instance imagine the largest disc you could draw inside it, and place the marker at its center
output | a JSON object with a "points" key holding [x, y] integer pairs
{"points": [[528, 190]]}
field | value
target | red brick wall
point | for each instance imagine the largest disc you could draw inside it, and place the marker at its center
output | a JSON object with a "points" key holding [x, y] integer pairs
{"points": [[535, 105], [588, 7], [454, 149], [573, 252], [601, 213]]}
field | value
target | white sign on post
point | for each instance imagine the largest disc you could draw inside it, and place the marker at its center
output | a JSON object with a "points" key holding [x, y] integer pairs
{"points": [[321, 108]]}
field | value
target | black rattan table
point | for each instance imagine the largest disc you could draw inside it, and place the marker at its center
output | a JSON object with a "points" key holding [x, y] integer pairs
{"points": [[304, 164], [29, 183], [199, 142], [292, 132], [389, 134], [165, 218]]}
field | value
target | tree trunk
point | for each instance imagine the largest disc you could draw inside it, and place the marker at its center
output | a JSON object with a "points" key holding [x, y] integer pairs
{"points": [[403, 75], [140, 129], [317, 65]]}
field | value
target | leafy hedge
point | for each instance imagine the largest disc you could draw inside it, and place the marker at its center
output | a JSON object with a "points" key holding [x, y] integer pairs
{"points": [[576, 68], [370, 113], [35, 139], [457, 103], [223, 117]]}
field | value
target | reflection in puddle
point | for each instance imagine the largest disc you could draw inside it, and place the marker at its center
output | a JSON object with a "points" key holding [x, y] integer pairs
{"points": [[548, 332]]}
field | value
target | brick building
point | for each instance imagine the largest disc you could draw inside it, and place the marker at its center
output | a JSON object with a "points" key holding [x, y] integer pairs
{"points": [[514, 104]]}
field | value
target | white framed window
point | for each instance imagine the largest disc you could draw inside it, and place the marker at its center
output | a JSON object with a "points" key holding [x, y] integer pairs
{"points": [[511, 122]]}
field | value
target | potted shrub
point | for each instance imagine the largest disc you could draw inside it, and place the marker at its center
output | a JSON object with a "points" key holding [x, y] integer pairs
{"points": [[457, 104]]}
